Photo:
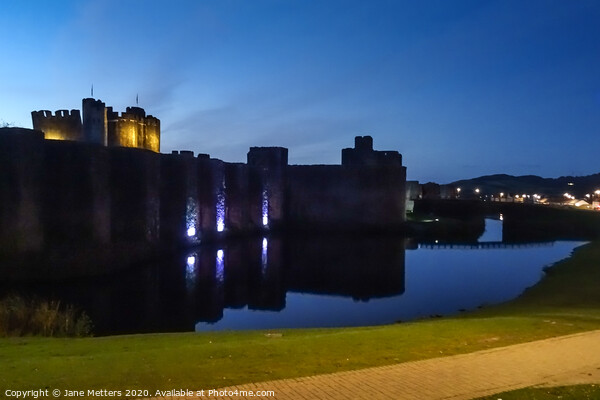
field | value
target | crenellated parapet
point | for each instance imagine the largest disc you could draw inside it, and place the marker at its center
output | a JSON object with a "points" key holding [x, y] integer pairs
{"points": [[101, 125], [62, 125]]}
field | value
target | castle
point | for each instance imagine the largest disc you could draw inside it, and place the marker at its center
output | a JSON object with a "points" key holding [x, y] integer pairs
{"points": [[101, 125], [95, 183]]}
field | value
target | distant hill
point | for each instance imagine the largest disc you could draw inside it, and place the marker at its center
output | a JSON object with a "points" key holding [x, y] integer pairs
{"points": [[530, 184]]}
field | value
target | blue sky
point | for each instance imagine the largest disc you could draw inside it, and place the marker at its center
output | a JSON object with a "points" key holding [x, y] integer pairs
{"points": [[460, 88]]}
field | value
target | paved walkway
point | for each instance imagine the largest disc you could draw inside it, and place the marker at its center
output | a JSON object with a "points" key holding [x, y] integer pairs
{"points": [[563, 360]]}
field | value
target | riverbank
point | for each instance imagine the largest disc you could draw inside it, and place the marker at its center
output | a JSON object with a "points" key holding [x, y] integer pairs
{"points": [[565, 301]]}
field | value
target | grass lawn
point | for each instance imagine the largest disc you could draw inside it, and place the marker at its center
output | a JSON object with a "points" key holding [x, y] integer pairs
{"points": [[566, 301], [578, 392]]}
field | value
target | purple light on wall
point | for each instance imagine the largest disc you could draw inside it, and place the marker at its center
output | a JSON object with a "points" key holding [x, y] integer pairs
{"points": [[265, 207], [221, 208], [191, 217]]}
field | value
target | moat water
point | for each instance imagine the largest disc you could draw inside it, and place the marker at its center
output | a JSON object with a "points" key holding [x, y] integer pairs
{"points": [[308, 281]]}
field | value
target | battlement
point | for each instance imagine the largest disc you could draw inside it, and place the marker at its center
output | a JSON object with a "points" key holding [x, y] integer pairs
{"points": [[131, 113], [150, 120], [91, 102], [59, 114], [62, 125], [140, 112]]}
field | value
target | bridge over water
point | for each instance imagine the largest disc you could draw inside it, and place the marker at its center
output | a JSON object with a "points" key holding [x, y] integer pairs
{"points": [[483, 245]]}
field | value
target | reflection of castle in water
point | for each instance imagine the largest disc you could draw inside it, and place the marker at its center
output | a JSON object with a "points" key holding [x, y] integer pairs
{"points": [[255, 273]]}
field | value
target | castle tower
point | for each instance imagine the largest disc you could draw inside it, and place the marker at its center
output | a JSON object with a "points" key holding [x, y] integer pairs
{"points": [[95, 122], [133, 129], [152, 135]]}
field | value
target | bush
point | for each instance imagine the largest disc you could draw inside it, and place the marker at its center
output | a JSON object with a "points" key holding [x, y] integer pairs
{"points": [[36, 317]]}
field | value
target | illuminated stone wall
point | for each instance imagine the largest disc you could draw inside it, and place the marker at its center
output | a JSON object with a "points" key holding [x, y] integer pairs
{"points": [[101, 125], [152, 134], [123, 131], [63, 125]]}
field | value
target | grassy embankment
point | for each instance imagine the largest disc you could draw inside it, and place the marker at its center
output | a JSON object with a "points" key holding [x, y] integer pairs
{"points": [[566, 301]]}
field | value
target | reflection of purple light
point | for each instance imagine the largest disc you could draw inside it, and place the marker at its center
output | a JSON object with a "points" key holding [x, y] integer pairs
{"points": [[191, 231], [264, 258], [265, 208], [190, 268], [220, 267]]}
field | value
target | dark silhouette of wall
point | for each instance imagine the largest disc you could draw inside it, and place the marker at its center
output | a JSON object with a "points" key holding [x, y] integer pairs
{"points": [[95, 122], [59, 193], [179, 206], [135, 194], [21, 179], [76, 193], [237, 212], [333, 197], [268, 176], [363, 155]]}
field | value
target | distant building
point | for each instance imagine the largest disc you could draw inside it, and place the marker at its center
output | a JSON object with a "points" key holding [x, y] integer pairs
{"points": [[413, 192], [448, 191], [430, 190], [100, 125]]}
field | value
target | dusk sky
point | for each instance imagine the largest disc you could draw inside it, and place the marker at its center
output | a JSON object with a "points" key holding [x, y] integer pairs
{"points": [[460, 88]]}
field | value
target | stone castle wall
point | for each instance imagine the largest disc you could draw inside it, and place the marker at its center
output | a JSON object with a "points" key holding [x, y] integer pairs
{"points": [[333, 196], [56, 193], [62, 125]]}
